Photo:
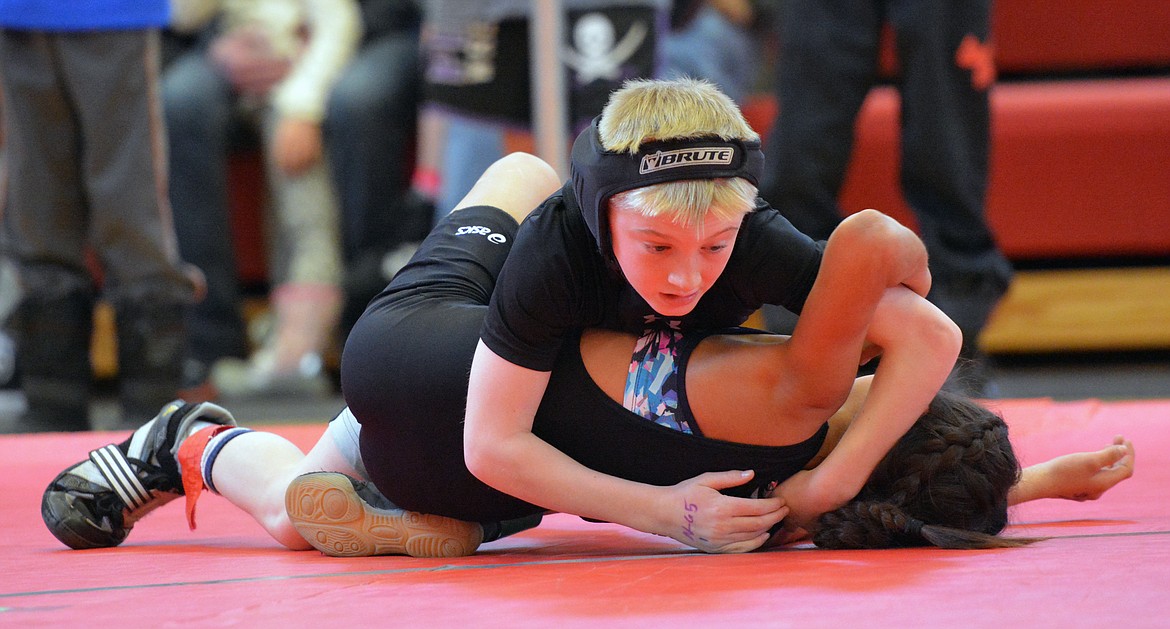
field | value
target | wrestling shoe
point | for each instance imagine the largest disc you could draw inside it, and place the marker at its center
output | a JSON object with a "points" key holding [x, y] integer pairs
{"points": [[345, 517], [95, 503]]}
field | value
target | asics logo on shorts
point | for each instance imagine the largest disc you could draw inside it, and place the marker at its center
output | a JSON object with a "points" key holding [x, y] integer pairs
{"points": [[499, 239]]}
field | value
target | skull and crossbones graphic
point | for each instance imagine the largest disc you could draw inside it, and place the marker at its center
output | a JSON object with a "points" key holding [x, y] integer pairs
{"points": [[594, 54]]}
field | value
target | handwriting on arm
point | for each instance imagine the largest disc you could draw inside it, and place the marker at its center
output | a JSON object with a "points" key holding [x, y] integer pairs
{"points": [[689, 510]]}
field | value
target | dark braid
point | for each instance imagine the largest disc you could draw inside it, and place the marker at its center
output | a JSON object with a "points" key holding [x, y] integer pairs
{"points": [[944, 483], [864, 524]]}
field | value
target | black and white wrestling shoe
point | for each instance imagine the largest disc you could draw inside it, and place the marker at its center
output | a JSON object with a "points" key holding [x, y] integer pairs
{"points": [[95, 503]]}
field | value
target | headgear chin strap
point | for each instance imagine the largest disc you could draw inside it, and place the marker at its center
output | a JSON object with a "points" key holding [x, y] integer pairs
{"points": [[599, 174]]}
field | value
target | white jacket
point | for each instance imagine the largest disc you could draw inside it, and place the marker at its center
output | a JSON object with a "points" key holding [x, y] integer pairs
{"points": [[333, 29]]}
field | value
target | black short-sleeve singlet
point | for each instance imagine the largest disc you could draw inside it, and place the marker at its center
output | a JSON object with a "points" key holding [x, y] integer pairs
{"points": [[556, 282]]}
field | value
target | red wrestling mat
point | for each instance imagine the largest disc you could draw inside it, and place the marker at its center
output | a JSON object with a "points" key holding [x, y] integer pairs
{"points": [[1107, 564]]}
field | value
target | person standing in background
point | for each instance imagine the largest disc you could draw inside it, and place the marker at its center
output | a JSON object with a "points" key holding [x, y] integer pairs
{"points": [[268, 65], [86, 148], [828, 63], [9, 291]]}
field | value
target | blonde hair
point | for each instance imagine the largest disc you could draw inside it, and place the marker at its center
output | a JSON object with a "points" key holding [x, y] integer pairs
{"points": [[645, 110], [678, 109]]}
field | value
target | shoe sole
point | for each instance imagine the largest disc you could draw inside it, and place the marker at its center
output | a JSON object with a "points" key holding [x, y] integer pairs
{"points": [[327, 511]]}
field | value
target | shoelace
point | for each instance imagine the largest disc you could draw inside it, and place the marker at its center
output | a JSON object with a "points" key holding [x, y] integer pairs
{"points": [[132, 483], [155, 478]]}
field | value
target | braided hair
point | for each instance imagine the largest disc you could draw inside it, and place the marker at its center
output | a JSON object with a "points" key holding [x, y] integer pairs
{"points": [[944, 483]]}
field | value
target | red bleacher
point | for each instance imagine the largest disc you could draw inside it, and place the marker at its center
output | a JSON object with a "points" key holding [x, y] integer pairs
{"points": [[1079, 168], [1044, 36]]}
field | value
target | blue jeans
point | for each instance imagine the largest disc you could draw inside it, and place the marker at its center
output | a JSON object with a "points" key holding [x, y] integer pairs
{"points": [[710, 47], [369, 129], [469, 147]]}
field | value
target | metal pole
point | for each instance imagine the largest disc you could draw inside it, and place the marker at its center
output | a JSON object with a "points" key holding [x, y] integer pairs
{"points": [[549, 113]]}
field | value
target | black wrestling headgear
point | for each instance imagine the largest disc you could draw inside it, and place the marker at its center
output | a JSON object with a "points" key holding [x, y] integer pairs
{"points": [[599, 174]]}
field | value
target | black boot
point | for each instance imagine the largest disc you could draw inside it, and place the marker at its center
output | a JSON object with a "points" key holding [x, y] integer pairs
{"points": [[52, 357]]}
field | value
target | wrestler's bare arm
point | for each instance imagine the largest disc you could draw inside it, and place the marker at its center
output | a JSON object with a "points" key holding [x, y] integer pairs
{"points": [[869, 292]]}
